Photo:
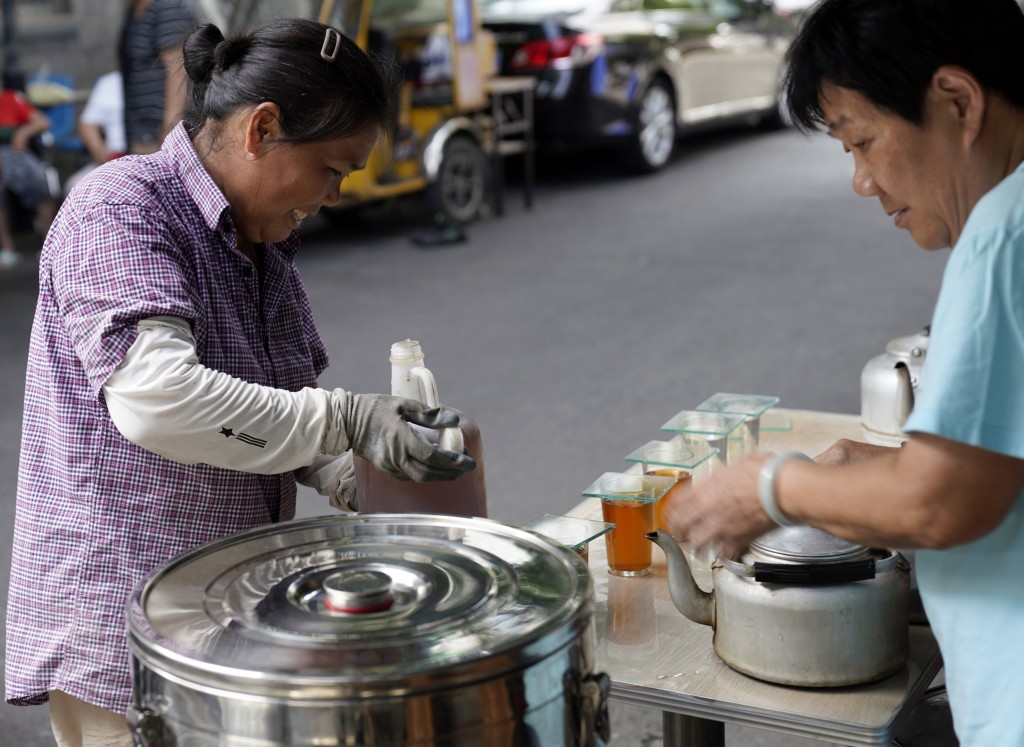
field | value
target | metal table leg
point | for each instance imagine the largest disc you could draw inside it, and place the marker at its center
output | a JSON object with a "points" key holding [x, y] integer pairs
{"points": [[690, 731], [497, 164], [529, 154]]}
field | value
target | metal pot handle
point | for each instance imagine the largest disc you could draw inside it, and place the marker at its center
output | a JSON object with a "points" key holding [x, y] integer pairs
{"points": [[810, 574], [147, 728], [592, 698]]}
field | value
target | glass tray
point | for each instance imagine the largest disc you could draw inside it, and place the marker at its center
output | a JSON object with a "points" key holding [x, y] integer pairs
{"points": [[627, 487], [703, 423], [751, 405], [673, 454], [568, 530]]}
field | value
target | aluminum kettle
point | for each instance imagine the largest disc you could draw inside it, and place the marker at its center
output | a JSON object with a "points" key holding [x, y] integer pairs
{"points": [[887, 387], [800, 607]]}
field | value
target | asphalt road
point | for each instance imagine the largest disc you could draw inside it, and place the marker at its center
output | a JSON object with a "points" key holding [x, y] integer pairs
{"points": [[573, 331]]}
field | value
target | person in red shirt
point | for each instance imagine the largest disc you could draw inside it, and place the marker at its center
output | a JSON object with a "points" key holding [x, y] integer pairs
{"points": [[21, 173]]}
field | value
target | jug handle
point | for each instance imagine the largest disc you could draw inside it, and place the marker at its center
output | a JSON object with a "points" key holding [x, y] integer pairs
{"points": [[448, 438]]}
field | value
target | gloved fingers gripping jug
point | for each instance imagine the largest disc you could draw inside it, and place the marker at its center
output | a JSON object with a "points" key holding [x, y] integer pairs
{"points": [[466, 495], [412, 380]]}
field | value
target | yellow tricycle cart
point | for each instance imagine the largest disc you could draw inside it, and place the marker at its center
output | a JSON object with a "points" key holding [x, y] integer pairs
{"points": [[454, 120]]}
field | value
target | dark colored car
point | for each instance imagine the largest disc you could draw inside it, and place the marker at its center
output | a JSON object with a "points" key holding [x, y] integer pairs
{"points": [[638, 73]]}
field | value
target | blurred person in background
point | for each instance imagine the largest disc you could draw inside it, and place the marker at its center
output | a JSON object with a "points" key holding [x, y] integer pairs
{"points": [[171, 395], [101, 125], [928, 98], [154, 80], [21, 172]]}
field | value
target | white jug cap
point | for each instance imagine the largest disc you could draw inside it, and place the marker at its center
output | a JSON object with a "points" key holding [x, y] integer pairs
{"points": [[406, 350]]}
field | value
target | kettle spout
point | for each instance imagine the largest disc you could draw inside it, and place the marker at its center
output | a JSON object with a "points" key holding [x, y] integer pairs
{"points": [[689, 598]]}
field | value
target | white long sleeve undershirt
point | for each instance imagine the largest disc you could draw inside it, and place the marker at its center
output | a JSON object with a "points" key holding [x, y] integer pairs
{"points": [[164, 400]]}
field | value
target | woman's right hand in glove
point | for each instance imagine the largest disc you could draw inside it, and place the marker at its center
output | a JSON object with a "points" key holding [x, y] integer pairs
{"points": [[378, 429]]}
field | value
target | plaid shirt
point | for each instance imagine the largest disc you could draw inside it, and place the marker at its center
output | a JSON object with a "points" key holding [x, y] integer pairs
{"points": [[143, 236]]}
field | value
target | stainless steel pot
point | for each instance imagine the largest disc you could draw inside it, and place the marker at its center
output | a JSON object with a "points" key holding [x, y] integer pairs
{"points": [[801, 607], [386, 629]]}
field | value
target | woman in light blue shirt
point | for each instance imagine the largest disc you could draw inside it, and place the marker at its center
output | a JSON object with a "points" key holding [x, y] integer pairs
{"points": [[928, 98]]}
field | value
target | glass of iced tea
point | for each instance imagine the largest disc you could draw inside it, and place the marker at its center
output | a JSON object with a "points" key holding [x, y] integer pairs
{"points": [[674, 460], [682, 478], [627, 501], [627, 555]]}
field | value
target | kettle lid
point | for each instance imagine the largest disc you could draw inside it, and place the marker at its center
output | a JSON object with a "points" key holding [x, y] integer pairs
{"points": [[803, 544], [911, 346]]}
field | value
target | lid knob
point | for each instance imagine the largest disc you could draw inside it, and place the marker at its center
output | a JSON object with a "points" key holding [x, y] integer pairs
{"points": [[358, 592]]}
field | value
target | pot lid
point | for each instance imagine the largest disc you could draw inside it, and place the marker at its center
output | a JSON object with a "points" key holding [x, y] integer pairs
{"points": [[803, 544], [360, 603]]}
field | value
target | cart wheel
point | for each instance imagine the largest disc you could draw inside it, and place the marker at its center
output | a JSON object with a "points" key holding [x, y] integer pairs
{"points": [[460, 188], [655, 136]]}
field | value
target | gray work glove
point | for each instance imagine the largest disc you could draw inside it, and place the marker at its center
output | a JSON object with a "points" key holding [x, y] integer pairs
{"points": [[378, 430], [334, 477]]}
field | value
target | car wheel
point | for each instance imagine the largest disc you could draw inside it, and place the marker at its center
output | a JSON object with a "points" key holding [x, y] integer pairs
{"points": [[655, 136], [460, 188], [778, 117]]}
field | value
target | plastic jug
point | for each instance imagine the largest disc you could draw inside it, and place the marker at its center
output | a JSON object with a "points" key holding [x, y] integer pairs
{"points": [[463, 496]]}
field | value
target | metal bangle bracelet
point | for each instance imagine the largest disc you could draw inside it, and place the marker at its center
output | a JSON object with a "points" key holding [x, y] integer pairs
{"points": [[766, 486]]}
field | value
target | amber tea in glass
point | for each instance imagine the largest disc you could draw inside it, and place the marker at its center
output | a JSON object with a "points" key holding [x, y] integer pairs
{"points": [[682, 478], [629, 552]]}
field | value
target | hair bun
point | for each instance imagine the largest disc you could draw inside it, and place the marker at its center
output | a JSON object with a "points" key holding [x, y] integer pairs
{"points": [[200, 52], [228, 52]]}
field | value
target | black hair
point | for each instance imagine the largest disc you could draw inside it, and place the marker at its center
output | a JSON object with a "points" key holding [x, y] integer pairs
{"points": [[888, 51], [281, 62], [14, 80]]}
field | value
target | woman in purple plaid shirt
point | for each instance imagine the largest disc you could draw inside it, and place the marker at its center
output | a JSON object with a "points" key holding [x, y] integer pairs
{"points": [[171, 393]]}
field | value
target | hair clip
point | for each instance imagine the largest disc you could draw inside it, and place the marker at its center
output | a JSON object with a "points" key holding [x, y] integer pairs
{"points": [[330, 55]]}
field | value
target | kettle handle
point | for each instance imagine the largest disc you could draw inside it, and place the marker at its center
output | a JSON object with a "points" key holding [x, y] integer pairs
{"points": [[448, 438], [814, 573]]}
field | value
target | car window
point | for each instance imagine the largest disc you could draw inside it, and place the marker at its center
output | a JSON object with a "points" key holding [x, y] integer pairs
{"points": [[247, 14], [546, 7], [411, 11], [733, 9], [675, 4]]}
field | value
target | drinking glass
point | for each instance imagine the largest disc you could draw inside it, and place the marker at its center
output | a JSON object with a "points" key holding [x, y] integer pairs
{"points": [[714, 429], [627, 501], [752, 406], [674, 459]]}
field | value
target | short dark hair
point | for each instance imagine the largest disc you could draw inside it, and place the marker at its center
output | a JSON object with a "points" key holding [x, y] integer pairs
{"points": [[281, 62], [14, 80], [888, 51]]}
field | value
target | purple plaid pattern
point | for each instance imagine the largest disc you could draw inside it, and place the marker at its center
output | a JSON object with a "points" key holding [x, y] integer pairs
{"points": [[143, 236]]}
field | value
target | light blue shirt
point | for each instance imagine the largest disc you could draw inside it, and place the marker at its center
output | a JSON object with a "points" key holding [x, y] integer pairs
{"points": [[972, 391]]}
